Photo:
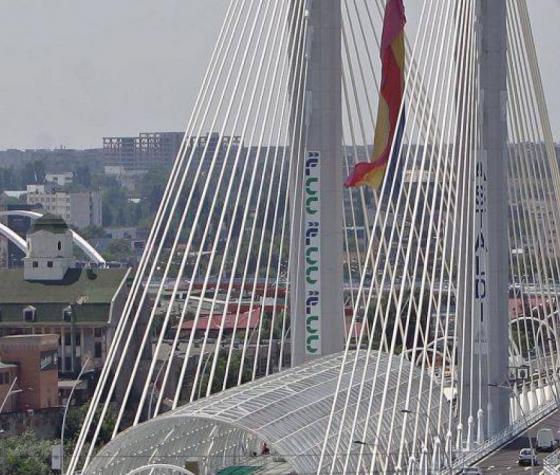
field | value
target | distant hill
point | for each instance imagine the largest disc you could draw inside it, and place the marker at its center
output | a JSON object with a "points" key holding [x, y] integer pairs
{"points": [[56, 161]]}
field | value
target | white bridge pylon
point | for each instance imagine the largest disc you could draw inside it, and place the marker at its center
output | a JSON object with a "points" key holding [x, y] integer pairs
{"points": [[450, 301]]}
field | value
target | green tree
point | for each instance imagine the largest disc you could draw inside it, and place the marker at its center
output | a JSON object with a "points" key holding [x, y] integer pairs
{"points": [[74, 422], [153, 185], [33, 172], [118, 249], [8, 179], [220, 372], [25, 454], [92, 232], [107, 215], [83, 175], [75, 419]]}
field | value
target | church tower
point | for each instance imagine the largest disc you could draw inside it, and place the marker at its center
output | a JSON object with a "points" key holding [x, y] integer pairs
{"points": [[50, 250]]}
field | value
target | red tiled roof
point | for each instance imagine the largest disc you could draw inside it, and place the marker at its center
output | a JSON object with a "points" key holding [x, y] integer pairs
{"points": [[518, 307]]}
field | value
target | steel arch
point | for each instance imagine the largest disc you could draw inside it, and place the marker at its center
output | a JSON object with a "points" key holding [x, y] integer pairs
{"points": [[79, 240]]}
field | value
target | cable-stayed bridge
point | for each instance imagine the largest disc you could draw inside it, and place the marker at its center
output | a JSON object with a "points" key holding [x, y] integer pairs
{"points": [[280, 321]]}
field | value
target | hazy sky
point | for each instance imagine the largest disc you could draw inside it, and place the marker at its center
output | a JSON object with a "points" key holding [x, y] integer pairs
{"points": [[76, 70]]}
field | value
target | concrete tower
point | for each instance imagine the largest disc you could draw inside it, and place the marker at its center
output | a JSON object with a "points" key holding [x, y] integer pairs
{"points": [[494, 96], [487, 318], [317, 307]]}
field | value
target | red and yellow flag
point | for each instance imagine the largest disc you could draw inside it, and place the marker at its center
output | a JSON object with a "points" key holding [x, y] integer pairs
{"points": [[390, 100]]}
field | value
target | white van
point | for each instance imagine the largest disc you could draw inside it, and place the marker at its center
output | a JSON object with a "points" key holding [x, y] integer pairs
{"points": [[545, 440]]}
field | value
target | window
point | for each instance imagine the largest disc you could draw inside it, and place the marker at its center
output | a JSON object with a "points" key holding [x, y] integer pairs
{"points": [[29, 314], [67, 314], [49, 264], [35, 264], [68, 339], [98, 350], [49, 360]]}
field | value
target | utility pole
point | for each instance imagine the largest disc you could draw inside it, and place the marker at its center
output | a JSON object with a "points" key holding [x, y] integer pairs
{"points": [[316, 278]]}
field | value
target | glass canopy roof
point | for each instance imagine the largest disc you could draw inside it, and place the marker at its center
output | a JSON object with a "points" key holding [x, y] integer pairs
{"points": [[289, 412]]}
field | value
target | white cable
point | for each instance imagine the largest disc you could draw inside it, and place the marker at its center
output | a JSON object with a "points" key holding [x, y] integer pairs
{"points": [[181, 227], [249, 194], [370, 250], [105, 374]]}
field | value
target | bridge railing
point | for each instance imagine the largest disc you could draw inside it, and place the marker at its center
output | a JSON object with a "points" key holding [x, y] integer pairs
{"points": [[551, 464], [466, 459]]}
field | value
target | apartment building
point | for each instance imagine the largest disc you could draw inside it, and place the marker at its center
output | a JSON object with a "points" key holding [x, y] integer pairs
{"points": [[80, 209]]}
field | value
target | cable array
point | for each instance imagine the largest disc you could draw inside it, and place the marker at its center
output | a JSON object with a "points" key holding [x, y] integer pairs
{"points": [[416, 289], [209, 306]]}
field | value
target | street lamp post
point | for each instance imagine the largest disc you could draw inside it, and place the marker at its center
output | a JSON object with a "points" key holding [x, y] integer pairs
{"points": [[367, 444], [67, 406]]}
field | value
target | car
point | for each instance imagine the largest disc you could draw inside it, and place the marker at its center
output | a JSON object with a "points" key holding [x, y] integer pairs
{"points": [[528, 456], [545, 440], [471, 471]]}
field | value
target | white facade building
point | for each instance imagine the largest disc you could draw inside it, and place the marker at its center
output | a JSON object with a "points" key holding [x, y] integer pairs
{"points": [[50, 252], [81, 209], [127, 178], [60, 179]]}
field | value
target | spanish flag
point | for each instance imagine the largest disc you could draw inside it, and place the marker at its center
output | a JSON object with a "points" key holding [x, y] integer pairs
{"points": [[391, 97]]}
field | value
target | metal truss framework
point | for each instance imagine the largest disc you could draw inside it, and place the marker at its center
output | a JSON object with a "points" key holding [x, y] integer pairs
{"points": [[288, 411]]}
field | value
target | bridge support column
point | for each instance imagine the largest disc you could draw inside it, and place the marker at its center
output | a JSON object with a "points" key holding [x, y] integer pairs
{"points": [[316, 277], [491, 241]]}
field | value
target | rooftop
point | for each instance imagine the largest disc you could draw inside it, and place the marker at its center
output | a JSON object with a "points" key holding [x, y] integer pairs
{"points": [[50, 222], [88, 285], [29, 340], [7, 365], [89, 292]]}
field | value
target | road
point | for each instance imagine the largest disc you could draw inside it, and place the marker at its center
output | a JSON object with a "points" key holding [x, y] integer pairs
{"points": [[505, 460]]}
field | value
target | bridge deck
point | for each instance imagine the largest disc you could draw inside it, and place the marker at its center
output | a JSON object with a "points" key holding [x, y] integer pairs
{"points": [[504, 461]]}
